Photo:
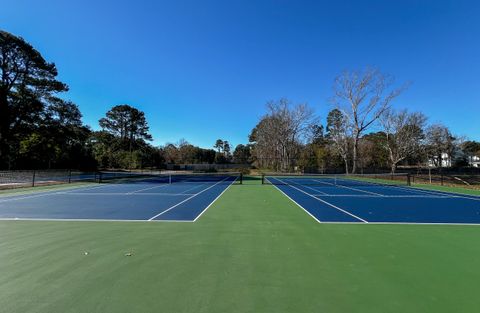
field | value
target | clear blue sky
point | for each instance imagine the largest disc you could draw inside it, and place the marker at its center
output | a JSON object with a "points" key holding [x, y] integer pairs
{"points": [[203, 70]]}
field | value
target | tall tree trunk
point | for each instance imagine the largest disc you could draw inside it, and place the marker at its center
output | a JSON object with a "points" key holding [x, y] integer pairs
{"points": [[4, 129], [394, 167], [393, 164], [355, 152], [346, 164]]}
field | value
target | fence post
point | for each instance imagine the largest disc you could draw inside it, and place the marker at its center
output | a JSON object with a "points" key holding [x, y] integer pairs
{"points": [[33, 179], [69, 176]]}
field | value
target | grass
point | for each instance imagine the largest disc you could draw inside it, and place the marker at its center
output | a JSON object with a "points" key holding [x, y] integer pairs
{"points": [[252, 251], [460, 190]]}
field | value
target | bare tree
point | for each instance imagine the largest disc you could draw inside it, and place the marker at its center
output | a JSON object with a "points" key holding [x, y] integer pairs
{"points": [[279, 134], [404, 132], [363, 96], [439, 142], [338, 134]]}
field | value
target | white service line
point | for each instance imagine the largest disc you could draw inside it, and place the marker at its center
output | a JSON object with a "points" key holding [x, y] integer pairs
{"points": [[125, 194], [452, 194], [389, 196], [351, 188], [408, 223], [92, 187], [45, 193], [293, 182], [149, 188], [195, 187], [82, 220], [297, 203], [324, 193], [211, 203], [172, 207], [28, 197], [327, 203], [16, 219], [416, 191]]}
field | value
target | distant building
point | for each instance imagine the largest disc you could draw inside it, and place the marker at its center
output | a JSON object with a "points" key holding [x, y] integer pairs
{"points": [[474, 160], [445, 162]]}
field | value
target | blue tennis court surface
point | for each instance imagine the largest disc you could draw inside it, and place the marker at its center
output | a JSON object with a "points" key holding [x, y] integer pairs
{"points": [[146, 200], [347, 202]]}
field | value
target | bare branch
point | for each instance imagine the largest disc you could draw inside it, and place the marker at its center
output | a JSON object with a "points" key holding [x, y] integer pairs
{"points": [[363, 96]]}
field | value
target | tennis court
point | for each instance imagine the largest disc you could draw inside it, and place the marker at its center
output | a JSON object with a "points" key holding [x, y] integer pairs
{"points": [[374, 199], [127, 197], [184, 197]]}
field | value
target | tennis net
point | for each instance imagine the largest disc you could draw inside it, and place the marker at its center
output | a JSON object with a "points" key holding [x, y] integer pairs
{"points": [[170, 178], [327, 180]]}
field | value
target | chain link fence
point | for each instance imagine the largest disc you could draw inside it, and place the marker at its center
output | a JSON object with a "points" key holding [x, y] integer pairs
{"points": [[35, 178]]}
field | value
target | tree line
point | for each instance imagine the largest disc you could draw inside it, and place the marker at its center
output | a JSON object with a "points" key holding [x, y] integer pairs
{"points": [[40, 129], [362, 131]]}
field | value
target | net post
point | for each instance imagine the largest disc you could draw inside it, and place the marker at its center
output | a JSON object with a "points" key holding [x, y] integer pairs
{"points": [[263, 179]]}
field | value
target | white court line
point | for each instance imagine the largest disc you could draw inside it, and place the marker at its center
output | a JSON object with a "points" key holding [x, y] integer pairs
{"points": [[327, 203], [172, 207], [446, 194], [124, 194], [413, 190], [332, 205], [83, 220], [47, 193], [351, 188], [10, 219], [35, 194], [92, 187], [119, 220], [407, 223], [452, 194], [28, 197], [195, 187], [149, 188], [389, 196], [297, 203], [211, 203], [316, 190], [324, 193]]}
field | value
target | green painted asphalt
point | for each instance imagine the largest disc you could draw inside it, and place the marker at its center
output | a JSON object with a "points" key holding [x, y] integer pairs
{"points": [[252, 251]]}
